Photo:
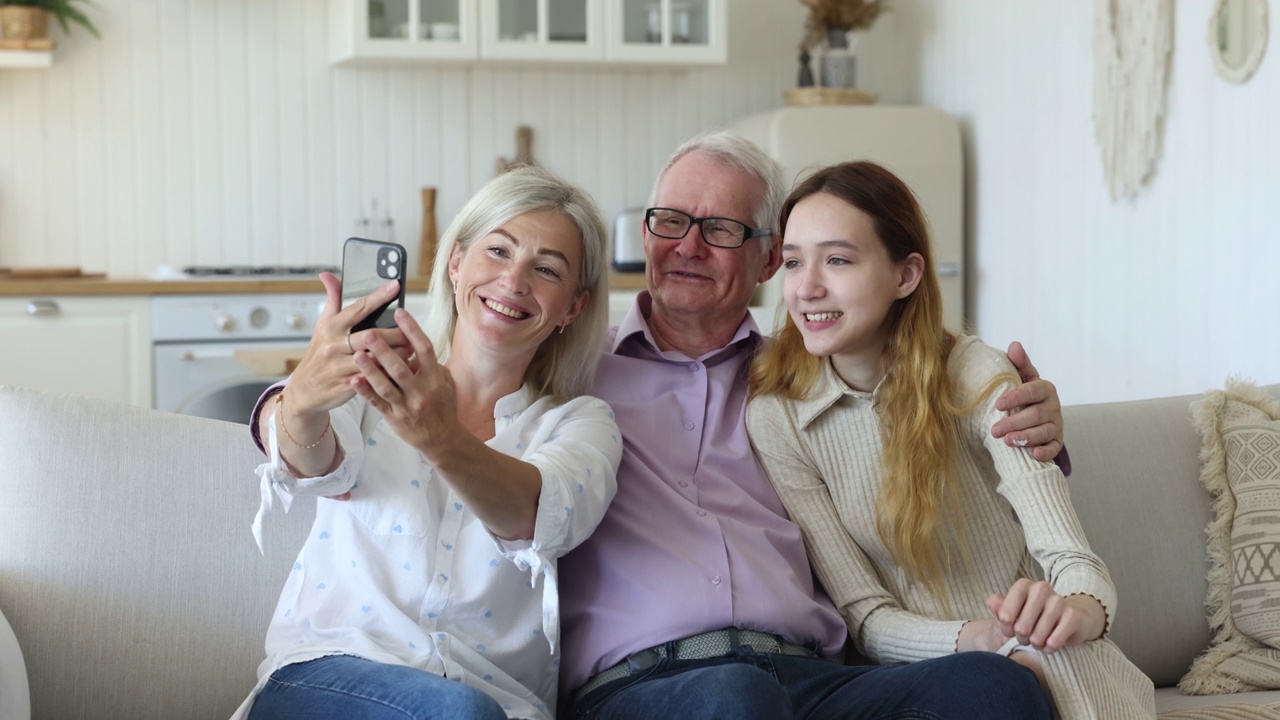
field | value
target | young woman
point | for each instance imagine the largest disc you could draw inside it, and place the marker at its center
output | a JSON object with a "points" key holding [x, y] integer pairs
{"points": [[450, 465], [873, 423]]}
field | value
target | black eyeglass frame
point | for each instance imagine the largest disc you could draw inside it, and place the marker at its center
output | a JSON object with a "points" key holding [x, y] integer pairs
{"points": [[748, 232]]}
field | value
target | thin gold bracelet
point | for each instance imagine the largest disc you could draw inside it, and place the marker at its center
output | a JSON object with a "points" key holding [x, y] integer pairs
{"points": [[280, 410]]}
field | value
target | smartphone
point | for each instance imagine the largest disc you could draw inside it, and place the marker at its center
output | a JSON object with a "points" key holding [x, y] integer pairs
{"points": [[366, 266]]}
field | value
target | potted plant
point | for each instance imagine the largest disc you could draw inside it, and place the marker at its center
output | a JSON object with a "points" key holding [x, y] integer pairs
{"points": [[832, 25], [29, 19]]}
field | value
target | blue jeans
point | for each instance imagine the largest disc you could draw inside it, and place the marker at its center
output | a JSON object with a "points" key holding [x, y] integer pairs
{"points": [[342, 687], [749, 685]]}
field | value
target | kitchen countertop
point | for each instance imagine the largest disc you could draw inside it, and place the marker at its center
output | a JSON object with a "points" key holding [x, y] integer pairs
{"points": [[143, 286], [196, 286]]}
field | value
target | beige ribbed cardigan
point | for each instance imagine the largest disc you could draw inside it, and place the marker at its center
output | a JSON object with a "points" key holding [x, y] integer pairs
{"points": [[824, 457]]}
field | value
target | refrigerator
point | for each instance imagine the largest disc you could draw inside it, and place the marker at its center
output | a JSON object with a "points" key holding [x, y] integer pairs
{"points": [[921, 145]]}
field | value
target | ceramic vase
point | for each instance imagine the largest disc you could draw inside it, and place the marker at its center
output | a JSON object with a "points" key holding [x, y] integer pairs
{"points": [[838, 62]]}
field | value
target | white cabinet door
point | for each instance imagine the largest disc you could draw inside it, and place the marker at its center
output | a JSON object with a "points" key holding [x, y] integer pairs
{"points": [[403, 30], [551, 30], [669, 32], [629, 32], [94, 346]]}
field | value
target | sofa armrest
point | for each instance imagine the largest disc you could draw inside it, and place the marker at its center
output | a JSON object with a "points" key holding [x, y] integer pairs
{"points": [[128, 571], [15, 696]]}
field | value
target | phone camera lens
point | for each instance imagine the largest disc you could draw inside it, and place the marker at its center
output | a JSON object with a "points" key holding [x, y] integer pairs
{"points": [[393, 256], [392, 271]]}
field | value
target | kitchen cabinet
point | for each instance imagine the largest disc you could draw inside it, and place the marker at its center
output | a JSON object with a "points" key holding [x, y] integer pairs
{"points": [[403, 30], [632, 32], [551, 30], [94, 346], [684, 32]]}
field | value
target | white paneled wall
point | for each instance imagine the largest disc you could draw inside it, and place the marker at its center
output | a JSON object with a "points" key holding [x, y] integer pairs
{"points": [[215, 131], [1167, 294]]}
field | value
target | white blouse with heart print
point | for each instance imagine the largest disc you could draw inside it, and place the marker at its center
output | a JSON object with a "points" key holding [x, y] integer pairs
{"points": [[404, 573]]}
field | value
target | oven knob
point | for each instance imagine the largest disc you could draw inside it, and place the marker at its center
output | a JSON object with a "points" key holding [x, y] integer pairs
{"points": [[294, 321], [259, 317], [224, 322]]}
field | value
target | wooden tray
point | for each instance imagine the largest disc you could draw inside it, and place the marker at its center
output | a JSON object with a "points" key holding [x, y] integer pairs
{"points": [[800, 96]]}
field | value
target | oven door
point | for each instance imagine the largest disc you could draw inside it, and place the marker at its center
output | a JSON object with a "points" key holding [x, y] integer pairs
{"points": [[206, 380]]}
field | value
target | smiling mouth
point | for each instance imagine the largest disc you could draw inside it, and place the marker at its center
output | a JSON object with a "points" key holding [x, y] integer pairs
{"points": [[498, 307], [679, 272], [822, 316]]}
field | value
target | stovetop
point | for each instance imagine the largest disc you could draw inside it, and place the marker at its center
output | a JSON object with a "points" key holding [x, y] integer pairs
{"points": [[257, 271]]}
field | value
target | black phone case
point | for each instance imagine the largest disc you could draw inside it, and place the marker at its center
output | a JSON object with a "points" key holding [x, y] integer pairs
{"points": [[366, 266]]}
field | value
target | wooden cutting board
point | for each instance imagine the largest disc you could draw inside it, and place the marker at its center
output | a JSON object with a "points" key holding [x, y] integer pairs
{"points": [[271, 363], [46, 273]]}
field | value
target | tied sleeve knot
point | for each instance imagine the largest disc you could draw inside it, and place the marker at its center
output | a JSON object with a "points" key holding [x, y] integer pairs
{"points": [[533, 561], [272, 476]]}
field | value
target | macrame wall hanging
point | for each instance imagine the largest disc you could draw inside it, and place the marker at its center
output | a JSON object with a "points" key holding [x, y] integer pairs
{"points": [[1132, 46]]}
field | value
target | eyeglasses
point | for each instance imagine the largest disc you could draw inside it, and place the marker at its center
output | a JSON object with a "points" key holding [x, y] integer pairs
{"points": [[716, 231]]}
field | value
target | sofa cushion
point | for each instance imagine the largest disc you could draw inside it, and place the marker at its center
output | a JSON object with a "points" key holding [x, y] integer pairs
{"points": [[127, 569], [1240, 467]]}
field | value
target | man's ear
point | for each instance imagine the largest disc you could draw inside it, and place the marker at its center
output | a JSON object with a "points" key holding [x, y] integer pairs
{"points": [[910, 272], [772, 260]]}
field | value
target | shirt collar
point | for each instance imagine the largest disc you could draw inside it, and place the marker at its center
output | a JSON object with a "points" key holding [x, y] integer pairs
{"points": [[635, 325], [511, 405], [826, 392]]}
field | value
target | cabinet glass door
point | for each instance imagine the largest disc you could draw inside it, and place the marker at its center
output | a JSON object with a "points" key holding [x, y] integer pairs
{"points": [[668, 30], [441, 21], [405, 30], [541, 29]]}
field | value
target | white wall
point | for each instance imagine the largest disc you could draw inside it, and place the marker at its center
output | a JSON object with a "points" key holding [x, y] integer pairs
{"points": [[1167, 294], [215, 132]]}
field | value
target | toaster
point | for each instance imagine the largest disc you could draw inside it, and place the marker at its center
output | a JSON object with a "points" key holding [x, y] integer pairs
{"points": [[628, 241]]}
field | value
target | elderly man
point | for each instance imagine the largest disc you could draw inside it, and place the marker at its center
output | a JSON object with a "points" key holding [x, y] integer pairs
{"points": [[694, 598]]}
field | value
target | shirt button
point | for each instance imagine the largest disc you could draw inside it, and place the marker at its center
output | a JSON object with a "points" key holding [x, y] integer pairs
{"points": [[694, 367], [715, 579], [702, 513], [688, 424], [683, 484]]}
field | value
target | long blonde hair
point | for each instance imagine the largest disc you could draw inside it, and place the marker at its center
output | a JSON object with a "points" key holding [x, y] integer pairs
{"points": [[920, 411]]}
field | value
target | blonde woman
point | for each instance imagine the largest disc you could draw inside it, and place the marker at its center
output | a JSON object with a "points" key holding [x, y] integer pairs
{"points": [[454, 463], [872, 421]]}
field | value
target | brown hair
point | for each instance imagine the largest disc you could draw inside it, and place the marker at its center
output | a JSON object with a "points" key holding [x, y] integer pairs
{"points": [[917, 403]]}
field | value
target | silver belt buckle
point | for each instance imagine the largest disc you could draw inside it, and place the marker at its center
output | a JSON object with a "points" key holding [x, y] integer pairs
{"points": [[642, 660]]}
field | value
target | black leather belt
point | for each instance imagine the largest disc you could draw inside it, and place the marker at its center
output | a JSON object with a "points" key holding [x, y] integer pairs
{"points": [[696, 647]]}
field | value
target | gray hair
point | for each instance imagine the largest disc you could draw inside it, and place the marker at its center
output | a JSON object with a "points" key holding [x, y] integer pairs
{"points": [[564, 366], [739, 153]]}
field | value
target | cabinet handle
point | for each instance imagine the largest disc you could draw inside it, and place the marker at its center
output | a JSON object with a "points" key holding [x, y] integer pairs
{"points": [[42, 308], [948, 269]]}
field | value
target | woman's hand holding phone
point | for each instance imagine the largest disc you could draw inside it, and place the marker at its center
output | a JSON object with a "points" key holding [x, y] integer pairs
{"points": [[322, 380], [415, 397]]}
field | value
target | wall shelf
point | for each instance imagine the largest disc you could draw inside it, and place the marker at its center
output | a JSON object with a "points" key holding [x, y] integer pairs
{"points": [[26, 59]]}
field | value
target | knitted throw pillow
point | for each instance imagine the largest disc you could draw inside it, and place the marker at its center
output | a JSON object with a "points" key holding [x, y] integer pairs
{"points": [[1240, 467]]}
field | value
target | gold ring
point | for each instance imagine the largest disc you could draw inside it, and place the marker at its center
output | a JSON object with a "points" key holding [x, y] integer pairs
{"points": [[353, 350]]}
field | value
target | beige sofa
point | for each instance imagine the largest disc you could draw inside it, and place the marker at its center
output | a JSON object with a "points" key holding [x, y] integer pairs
{"points": [[132, 583]]}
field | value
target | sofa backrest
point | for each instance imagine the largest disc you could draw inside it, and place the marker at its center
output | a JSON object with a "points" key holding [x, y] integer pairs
{"points": [[1136, 486], [127, 567]]}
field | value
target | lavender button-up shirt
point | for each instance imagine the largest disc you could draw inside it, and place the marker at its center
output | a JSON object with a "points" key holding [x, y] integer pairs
{"points": [[696, 538]]}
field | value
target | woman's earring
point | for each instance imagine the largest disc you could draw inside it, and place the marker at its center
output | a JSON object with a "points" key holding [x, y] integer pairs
{"points": [[561, 329]]}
